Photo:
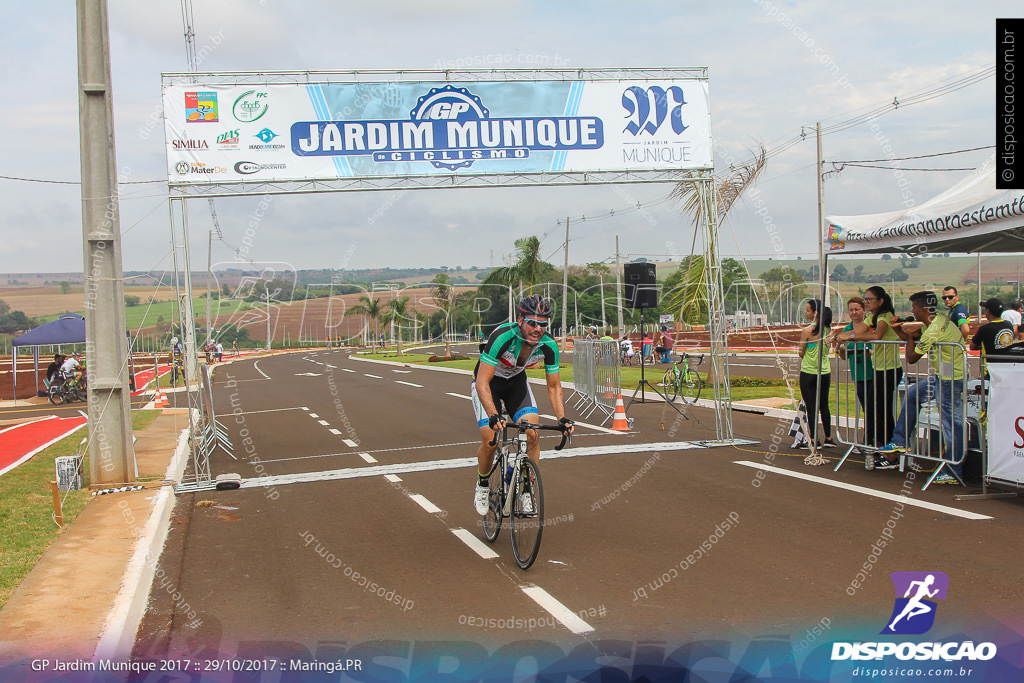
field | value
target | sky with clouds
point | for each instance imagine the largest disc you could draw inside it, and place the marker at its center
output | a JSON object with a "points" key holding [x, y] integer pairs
{"points": [[775, 69]]}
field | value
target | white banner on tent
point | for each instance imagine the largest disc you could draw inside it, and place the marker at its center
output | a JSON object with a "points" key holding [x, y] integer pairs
{"points": [[1005, 424], [970, 216], [219, 133]]}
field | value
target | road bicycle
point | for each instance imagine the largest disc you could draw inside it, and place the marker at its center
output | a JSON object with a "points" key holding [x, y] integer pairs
{"points": [[177, 370], [682, 380], [68, 390], [516, 491], [626, 355]]}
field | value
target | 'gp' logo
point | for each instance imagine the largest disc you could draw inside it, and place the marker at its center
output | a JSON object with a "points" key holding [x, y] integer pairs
{"points": [[638, 104]]}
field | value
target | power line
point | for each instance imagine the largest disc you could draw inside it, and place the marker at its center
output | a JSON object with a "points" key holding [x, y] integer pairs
{"points": [[920, 156]]}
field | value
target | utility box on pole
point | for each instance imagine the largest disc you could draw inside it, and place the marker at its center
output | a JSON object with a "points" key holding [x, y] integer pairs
{"points": [[111, 456]]}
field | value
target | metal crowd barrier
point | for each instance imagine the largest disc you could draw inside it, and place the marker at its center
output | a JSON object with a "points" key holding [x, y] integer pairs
{"points": [[867, 427], [595, 375]]}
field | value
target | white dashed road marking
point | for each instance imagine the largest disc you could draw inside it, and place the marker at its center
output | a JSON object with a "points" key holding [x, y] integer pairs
{"points": [[475, 544], [557, 610]]}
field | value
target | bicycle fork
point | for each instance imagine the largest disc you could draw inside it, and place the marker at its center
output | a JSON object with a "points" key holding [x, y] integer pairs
{"points": [[517, 468]]}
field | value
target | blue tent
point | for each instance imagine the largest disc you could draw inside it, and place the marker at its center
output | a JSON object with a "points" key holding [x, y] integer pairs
{"points": [[67, 329]]}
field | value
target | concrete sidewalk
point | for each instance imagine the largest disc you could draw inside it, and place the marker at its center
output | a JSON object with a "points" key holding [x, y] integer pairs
{"points": [[86, 596]]}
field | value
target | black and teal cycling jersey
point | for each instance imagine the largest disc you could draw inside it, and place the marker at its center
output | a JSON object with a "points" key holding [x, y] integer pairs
{"points": [[503, 348]]}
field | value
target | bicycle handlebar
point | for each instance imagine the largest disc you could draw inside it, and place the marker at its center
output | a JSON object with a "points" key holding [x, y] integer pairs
{"points": [[524, 425]]}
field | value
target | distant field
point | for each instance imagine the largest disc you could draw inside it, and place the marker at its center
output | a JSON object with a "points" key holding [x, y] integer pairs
{"points": [[49, 302]]}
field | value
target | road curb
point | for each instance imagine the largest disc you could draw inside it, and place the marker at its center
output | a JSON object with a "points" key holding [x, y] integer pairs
{"points": [[117, 637]]}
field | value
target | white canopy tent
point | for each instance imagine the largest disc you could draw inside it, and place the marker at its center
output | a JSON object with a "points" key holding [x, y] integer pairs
{"points": [[972, 216]]}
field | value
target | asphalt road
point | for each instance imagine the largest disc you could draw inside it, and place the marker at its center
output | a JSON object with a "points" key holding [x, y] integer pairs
{"points": [[670, 543]]}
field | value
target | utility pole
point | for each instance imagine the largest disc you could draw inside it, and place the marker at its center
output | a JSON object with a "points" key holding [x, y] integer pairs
{"points": [[266, 287], [112, 457], [565, 288], [618, 284], [330, 296]]}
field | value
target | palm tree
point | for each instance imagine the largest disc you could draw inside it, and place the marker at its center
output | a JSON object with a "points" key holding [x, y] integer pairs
{"points": [[371, 308], [444, 296], [527, 268], [396, 313], [693, 294]]}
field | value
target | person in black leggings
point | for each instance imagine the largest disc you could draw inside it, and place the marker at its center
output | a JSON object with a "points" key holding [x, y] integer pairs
{"points": [[813, 352]]}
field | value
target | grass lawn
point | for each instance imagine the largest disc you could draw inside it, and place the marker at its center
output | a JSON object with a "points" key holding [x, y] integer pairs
{"points": [[26, 507]]}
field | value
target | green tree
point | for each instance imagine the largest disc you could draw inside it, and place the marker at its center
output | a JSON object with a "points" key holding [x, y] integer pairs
{"points": [[527, 269], [131, 300], [396, 312], [444, 298], [371, 308], [65, 286]]}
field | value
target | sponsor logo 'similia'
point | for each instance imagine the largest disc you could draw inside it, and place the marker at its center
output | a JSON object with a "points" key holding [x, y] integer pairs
{"points": [[190, 144]]}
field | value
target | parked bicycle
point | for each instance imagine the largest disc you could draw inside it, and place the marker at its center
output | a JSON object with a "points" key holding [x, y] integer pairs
{"points": [[682, 380], [68, 390], [517, 493]]}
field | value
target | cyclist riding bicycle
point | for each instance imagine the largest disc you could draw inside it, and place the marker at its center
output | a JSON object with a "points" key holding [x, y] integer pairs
{"points": [[500, 375]]}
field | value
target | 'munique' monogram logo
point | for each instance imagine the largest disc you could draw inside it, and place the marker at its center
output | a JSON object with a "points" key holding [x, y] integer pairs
{"points": [[648, 109]]}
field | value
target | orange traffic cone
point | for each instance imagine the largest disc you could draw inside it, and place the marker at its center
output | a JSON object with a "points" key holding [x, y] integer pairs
{"points": [[160, 401], [619, 421], [609, 392]]}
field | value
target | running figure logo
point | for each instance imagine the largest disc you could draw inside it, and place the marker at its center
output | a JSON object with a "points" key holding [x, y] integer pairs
{"points": [[914, 612]]}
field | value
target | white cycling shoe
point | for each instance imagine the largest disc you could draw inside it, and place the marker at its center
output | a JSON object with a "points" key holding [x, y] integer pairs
{"points": [[481, 500]]}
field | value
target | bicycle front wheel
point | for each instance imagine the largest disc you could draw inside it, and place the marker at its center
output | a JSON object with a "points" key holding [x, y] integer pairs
{"points": [[495, 502], [689, 386], [56, 396], [671, 384], [527, 519]]}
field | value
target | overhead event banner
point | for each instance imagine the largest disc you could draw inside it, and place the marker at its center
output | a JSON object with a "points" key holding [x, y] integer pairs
{"points": [[304, 131]]}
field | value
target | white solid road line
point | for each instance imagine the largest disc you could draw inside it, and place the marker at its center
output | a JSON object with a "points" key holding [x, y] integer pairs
{"points": [[368, 458], [256, 364], [409, 384], [866, 491], [454, 463], [556, 609], [268, 410], [475, 544], [424, 503]]}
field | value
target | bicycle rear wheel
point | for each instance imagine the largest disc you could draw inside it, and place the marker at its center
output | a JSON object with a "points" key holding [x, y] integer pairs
{"points": [[671, 383], [527, 519], [689, 386], [495, 504]]}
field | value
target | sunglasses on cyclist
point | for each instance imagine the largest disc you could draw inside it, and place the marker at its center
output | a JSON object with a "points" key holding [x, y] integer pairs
{"points": [[542, 324], [948, 298]]}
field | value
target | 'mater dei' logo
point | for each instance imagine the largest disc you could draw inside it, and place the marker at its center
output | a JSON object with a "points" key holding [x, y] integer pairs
{"points": [[916, 595]]}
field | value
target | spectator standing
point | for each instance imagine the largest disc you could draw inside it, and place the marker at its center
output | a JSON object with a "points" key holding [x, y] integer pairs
{"points": [[885, 358], [944, 385], [218, 349], [1012, 316], [815, 395], [862, 372], [994, 336], [957, 311]]}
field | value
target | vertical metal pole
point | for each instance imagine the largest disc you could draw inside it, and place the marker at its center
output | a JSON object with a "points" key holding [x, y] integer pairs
{"points": [[266, 287], [209, 261], [719, 372], [111, 456], [565, 287]]}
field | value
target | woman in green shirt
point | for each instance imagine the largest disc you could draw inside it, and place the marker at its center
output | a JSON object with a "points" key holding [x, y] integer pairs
{"points": [[861, 370], [812, 357], [884, 357]]}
